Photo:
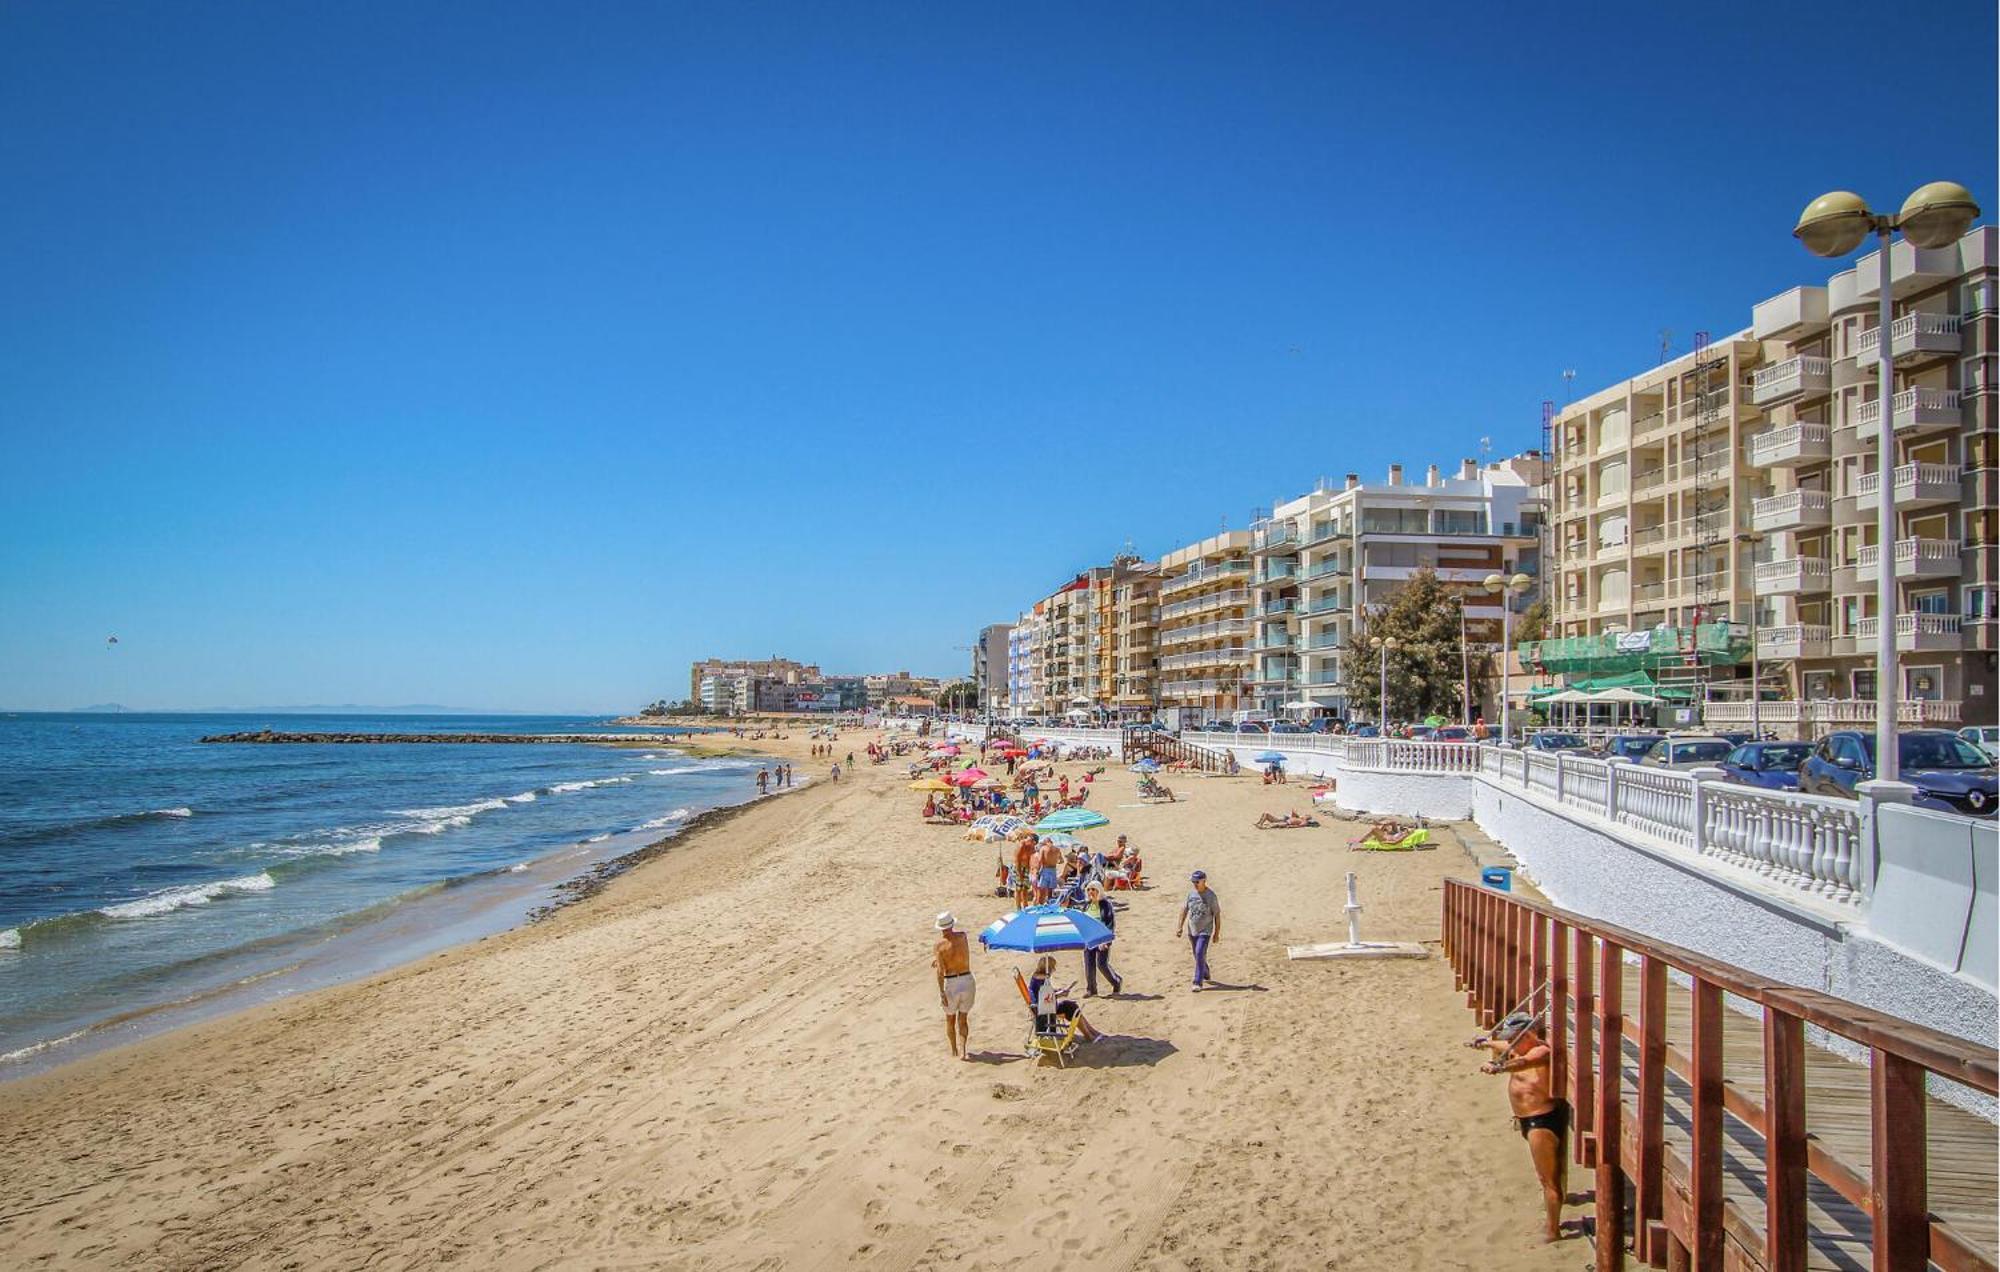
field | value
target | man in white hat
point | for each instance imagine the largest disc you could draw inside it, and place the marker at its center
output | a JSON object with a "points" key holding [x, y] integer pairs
{"points": [[952, 956]]}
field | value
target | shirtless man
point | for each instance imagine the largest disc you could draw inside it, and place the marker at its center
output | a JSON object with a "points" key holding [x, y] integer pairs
{"points": [[1047, 862], [1024, 872], [952, 956], [1520, 1052]]}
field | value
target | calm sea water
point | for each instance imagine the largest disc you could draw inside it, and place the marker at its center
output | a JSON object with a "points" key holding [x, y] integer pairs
{"points": [[140, 869]]}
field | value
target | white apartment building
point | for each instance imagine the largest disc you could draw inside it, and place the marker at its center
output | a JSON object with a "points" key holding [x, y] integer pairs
{"points": [[1322, 561], [1742, 487], [1205, 604]]}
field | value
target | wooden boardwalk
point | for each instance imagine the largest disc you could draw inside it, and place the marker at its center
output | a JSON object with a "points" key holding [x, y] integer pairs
{"points": [[1964, 1153], [1716, 1133]]}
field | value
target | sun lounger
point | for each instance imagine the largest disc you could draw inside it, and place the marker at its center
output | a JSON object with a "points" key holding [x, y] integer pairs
{"points": [[1060, 1041]]}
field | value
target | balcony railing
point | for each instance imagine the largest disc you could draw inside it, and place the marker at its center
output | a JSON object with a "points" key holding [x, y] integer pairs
{"points": [[1795, 574], [1206, 631], [1793, 510], [1214, 600], [1915, 484], [1791, 378], [1818, 715], [1205, 575], [1915, 559], [1802, 443], [1914, 410], [1799, 640], [1913, 631], [1910, 336]]}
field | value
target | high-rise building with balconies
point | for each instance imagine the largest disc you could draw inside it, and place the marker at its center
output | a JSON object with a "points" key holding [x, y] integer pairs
{"points": [[1776, 530], [1322, 561], [1205, 602]]}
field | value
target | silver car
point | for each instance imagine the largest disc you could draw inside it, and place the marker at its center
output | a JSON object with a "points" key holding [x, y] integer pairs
{"points": [[1686, 751], [1984, 736]]}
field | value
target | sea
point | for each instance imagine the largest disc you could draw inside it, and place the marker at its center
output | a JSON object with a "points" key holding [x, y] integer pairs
{"points": [[148, 879]]}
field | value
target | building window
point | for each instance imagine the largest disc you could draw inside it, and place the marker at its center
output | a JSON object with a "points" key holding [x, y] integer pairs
{"points": [[1975, 374], [1977, 297], [1982, 604], [1938, 602]]}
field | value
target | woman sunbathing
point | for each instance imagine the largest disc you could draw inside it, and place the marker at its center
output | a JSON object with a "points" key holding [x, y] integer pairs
{"points": [[1288, 821]]}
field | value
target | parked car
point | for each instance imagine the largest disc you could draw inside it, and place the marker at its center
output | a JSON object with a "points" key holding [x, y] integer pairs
{"points": [[1364, 731], [1550, 740], [1984, 736], [1736, 737], [1949, 773], [1686, 751], [1422, 732], [1631, 746], [1288, 727], [1771, 765], [1323, 725], [1452, 733]]}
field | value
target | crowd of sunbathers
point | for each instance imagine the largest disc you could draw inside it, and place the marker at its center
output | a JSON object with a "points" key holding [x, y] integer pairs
{"points": [[1041, 871]]}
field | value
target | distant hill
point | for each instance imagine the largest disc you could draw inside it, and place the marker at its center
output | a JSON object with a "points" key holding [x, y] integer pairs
{"points": [[108, 708]]}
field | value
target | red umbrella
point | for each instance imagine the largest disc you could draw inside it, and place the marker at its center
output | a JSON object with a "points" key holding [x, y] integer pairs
{"points": [[966, 777]]}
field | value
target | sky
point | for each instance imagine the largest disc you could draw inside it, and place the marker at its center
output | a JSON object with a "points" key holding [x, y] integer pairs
{"points": [[509, 356]]}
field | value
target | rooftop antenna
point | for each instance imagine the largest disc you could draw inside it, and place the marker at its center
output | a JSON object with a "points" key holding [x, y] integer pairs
{"points": [[1569, 386], [1666, 343], [1485, 447]]}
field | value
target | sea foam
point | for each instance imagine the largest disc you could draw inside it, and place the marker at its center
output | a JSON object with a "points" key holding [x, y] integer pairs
{"points": [[166, 902], [664, 820]]}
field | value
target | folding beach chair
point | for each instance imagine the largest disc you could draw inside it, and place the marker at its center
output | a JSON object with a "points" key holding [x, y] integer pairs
{"points": [[1058, 1042]]}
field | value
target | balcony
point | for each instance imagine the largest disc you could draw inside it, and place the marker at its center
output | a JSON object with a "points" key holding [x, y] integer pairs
{"points": [[1912, 338], [1798, 312], [1915, 559], [1917, 486], [1793, 380], [1215, 600], [1800, 640], [1276, 640], [1916, 411], [1649, 425], [1797, 510], [1790, 447], [1275, 573], [1278, 609], [1206, 631], [1915, 633], [1228, 570], [1793, 576]]}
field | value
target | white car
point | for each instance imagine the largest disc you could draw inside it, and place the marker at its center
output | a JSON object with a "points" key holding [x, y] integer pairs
{"points": [[1984, 736], [1686, 751]]}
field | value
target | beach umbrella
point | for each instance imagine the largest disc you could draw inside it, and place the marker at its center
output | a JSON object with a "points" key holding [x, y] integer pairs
{"points": [[990, 784], [1044, 929], [1270, 757], [967, 778], [1147, 765], [1071, 819], [931, 784], [1063, 839]]}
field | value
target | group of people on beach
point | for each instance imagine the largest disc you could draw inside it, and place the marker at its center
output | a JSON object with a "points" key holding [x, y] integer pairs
{"points": [[773, 777]]}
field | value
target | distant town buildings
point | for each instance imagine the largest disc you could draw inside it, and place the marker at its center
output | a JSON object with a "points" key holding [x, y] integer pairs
{"points": [[989, 667], [746, 687]]}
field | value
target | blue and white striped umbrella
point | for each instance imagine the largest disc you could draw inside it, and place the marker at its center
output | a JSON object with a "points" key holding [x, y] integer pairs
{"points": [[1044, 929]]}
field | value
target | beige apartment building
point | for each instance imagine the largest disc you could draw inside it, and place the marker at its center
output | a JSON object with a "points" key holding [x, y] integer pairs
{"points": [[1131, 622], [1323, 561], [1743, 487], [1205, 603]]}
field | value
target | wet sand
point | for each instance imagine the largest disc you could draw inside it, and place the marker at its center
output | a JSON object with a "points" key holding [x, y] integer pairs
{"points": [[731, 1057]]}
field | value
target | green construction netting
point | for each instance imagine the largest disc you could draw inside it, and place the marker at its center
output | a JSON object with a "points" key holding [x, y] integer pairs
{"points": [[1624, 680], [1711, 645]]}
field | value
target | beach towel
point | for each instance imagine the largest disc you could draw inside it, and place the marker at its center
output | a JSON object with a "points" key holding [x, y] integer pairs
{"points": [[1411, 840]]}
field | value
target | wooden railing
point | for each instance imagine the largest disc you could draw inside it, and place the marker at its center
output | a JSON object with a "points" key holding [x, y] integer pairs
{"points": [[1505, 950], [1168, 749]]}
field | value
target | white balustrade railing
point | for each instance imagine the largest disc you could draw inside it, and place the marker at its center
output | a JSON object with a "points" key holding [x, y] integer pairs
{"points": [[1797, 841], [1659, 802]]}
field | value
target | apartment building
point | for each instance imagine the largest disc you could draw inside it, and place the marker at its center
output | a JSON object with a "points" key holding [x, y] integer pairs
{"points": [[1132, 662], [1024, 690], [1322, 561], [1818, 487], [728, 669], [990, 660], [1739, 485], [1205, 603]]}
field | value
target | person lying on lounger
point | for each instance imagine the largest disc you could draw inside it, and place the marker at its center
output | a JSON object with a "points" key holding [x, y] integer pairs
{"points": [[1287, 821]]}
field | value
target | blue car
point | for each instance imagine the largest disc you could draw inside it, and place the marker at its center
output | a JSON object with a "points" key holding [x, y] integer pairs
{"points": [[1771, 765], [1631, 746], [1364, 731], [1950, 774]]}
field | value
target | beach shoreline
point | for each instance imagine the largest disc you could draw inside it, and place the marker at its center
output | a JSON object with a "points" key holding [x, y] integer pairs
{"points": [[729, 1058]]}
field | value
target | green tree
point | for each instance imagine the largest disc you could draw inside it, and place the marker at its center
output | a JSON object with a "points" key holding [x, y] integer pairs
{"points": [[959, 695], [1427, 668], [1532, 623]]}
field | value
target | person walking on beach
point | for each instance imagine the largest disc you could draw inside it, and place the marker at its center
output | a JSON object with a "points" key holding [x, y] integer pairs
{"points": [[763, 781], [1099, 907], [1201, 920], [1520, 1052], [836, 771], [952, 958], [1024, 870]]}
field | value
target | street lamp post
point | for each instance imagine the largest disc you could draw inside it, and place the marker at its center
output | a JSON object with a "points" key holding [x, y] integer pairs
{"points": [[1383, 644], [1936, 215], [1508, 589]]}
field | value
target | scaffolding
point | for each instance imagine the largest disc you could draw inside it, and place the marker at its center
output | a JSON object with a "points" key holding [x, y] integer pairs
{"points": [[1705, 393]]}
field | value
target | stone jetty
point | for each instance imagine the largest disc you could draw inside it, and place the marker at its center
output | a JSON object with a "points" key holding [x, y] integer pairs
{"points": [[272, 737]]}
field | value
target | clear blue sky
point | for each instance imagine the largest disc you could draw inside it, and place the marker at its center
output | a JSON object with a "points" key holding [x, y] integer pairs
{"points": [[510, 356]]}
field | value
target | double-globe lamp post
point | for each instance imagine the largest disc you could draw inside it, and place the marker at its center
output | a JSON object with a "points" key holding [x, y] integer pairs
{"points": [[1508, 588], [1936, 215]]}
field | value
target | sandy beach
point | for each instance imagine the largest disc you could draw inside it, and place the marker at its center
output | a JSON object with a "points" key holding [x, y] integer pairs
{"points": [[732, 1058]]}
